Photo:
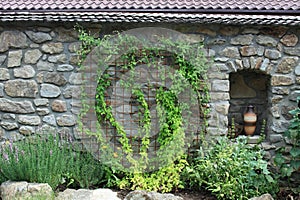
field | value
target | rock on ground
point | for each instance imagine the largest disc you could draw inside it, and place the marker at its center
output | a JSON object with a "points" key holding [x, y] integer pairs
{"points": [[263, 197], [10, 190], [144, 195], [84, 194], [22, 190]]}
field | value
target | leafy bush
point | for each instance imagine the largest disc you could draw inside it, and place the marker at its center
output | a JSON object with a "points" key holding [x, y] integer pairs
{"points": [[231, 170], [165, 179], [48, 160], [290, 162]]}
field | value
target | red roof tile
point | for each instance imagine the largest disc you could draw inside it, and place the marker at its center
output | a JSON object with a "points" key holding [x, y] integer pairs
{"points": [[276, 12], [150, 4]]}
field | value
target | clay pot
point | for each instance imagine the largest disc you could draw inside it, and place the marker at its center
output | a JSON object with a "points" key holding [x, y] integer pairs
{"points": [[250, 119]]}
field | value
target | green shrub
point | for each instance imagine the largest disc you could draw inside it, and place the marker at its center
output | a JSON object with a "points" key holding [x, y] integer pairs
{"points": [[231, 170], [289, 162], [165, 179], [48, 160]]}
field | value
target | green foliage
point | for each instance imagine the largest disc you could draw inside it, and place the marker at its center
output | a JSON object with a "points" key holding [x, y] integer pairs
{"points": [[231, 170], [165, 179], [289, 162], [48, 160], [190, 65]]}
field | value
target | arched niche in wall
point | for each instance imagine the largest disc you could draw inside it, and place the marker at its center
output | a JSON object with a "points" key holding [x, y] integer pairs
{"points": [[248, 88]]}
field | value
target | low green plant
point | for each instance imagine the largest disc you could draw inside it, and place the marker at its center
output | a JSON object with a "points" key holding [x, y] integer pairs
{"points": [[231, 169], [289, 162], [165, 179], [48, 160]]}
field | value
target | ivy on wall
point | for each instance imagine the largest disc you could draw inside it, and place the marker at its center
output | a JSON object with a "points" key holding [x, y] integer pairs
{"points": [[189, 65]]}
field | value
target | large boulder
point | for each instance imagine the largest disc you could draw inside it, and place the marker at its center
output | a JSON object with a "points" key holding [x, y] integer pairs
{"points": [[144, 195], [83, 194], [10, 190]]}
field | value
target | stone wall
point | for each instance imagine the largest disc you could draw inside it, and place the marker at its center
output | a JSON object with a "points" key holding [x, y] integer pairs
{"points": [[39, 78]]}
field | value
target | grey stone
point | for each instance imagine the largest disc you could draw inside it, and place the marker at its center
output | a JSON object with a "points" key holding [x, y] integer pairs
{"points": [[41, 102], [248, 51], [144, 195], [50, 119], [14, 58], [74, 59], [1, 89], [281, 80], [9, 125], [293, 96], [14, 39], [2, 59], [287, 65], [21, 88], [229, 30], [65, 68], [217, 67], [266, 41], [217, 96], [280, 127], [14, 136], [32, 120], [32, 56], [76, 79], [72, 92], [45, 66], [275, 112], [27, 130], [222, 108], [38, 37], [4, 74], [55, 78], [250, 31], [274, 138], [246, 63], [66, 120], [42, 111], [62, 58], [9, 116], [297, 70], [242, 40], [66, 35], [276, 99], [40, 77], [216, 41], [267, 146], [272, 54], [74, 47], [84, 194], [53, 47], [292, 51], [289, 40], [265, 64], [280, 90], [59, 106], [260, 51], [7, 105], [221, 59], [220, 86], [46, 129], [22, 190], [231, 52], [285, 112], [194, 38], [49, 90], [263, 197], [26, 71]]}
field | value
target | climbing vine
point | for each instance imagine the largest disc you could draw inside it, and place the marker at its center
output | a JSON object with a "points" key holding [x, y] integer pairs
{"points": [[189, 65]]}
